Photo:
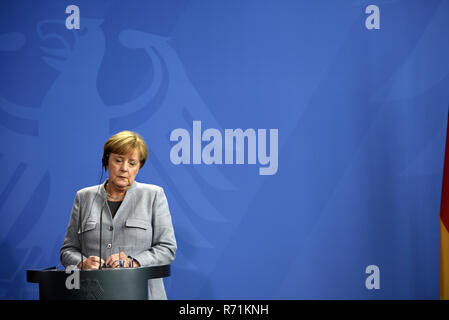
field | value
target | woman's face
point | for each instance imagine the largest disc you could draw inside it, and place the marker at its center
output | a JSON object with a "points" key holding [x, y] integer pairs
{"points": [[123, 169]]}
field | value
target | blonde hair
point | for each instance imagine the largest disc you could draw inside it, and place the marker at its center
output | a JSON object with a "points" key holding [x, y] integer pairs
{"points": [[122, 143]]}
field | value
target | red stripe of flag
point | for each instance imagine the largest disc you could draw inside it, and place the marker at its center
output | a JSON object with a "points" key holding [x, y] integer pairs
{"points": [[444, 213]]}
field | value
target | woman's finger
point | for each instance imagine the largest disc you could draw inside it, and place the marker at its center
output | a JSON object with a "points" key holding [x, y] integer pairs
{"points": [[112, 258], [94, 259]]}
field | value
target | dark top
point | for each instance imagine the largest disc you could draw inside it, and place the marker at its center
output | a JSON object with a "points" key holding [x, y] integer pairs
{"points": [[113, 206]]}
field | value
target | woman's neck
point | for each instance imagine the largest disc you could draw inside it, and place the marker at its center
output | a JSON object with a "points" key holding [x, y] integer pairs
{"points": [[114, 193]]}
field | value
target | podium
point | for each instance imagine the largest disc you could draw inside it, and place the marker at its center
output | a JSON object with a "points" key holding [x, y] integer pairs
{"points": [[104, 284]]}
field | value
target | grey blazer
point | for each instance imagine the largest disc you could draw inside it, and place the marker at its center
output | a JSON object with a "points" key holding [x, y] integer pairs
{"points": [[142, 228]]}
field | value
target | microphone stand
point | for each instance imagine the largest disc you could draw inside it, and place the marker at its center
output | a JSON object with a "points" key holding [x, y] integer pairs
{"points": [[101, 226], [80, 228], [80, 223]]}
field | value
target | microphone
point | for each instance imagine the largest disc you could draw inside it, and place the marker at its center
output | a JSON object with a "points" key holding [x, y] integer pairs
{"points": [[101, 227], [80, 220], [80, 228]]}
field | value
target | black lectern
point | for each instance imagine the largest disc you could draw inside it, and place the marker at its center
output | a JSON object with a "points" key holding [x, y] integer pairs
{"points": [[104, 284]]}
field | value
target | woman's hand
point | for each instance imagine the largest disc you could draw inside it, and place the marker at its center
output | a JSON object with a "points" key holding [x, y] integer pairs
{"points": [[114, 261], [93, 262], [136, 264]]}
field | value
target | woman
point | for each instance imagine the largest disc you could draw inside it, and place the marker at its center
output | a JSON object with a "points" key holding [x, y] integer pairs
{"points": [[137, 228]]}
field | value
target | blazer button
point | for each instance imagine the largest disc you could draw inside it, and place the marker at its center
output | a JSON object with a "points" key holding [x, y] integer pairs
{"points": [[111, 228], [109, 246]]}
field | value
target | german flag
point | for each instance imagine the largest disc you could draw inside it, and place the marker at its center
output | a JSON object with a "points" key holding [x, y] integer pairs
{"points": [[444, 226]]}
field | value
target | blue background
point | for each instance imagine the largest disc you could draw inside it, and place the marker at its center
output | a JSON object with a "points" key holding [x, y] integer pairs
{"points": [[362, 117]]}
